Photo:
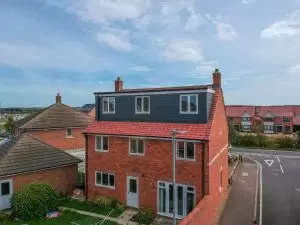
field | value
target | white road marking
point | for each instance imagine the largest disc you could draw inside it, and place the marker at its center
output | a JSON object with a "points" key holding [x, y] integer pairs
{"points": [[280, 164], [297, 189], [245, 174], [269, 162]]}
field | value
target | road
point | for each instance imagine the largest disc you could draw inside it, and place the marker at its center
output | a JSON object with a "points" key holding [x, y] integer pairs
{"points": [[280, 185]]}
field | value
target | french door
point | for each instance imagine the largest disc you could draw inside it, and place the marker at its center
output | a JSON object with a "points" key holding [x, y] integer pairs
{"points": [[185, 199]]}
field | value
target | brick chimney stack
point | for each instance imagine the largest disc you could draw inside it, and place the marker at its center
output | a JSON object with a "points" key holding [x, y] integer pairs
{"points": [[58, 98], [216, 79], [118, 85]]}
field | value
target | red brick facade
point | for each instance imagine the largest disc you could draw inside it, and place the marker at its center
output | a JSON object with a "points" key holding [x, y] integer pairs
{"points": [[62, 179], [58, 139]]}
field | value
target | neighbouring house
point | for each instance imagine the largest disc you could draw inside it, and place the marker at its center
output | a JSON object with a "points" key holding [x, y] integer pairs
{"points": [[58, 125], [129, 148], [271, 119], [26, 159], [87, 108]]}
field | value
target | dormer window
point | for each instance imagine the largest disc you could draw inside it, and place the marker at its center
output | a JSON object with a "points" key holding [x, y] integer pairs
{"points": [[189, 104], [108, 105], [142, 104]]}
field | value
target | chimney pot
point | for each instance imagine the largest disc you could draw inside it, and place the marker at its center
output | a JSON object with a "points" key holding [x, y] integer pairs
{"points": [[118, 85], [216, 79], [58, 98]]}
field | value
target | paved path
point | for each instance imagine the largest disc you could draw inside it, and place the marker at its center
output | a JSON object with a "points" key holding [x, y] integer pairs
{"points": [[239, 208], [281, 185]]}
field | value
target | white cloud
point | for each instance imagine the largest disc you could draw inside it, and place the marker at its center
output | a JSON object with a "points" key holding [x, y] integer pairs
{"points": [[288, 27], [243, 72], [293, 70], [207, 67], [183, 50], [119, 42], [141, 68], [225, 31], [193, 22], [104, 10], [247, 1]]}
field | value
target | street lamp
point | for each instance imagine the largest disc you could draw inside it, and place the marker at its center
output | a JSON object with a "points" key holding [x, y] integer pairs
{"points": [[174, 132]]}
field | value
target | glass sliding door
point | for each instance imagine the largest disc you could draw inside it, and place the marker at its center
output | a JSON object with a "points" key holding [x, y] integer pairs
{"points": [[185, 199]]}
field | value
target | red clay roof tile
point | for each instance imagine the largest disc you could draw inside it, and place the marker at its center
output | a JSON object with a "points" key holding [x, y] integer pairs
{"points": [[238, 111], [147, 129]]}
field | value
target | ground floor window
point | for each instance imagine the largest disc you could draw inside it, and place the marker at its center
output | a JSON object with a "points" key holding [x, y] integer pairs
{"points": [[269, 128], [246, 127], [105, 179], [185, 199], [287, 129]]}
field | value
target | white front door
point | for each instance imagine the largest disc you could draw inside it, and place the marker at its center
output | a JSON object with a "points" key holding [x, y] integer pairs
{"points": [[132, 192], [6, 192]]}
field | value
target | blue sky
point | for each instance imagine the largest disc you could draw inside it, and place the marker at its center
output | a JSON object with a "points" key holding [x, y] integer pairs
{"points": [[76, 47]]}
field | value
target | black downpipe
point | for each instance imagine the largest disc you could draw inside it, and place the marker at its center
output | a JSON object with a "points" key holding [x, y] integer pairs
{"points": [[86, 167]]}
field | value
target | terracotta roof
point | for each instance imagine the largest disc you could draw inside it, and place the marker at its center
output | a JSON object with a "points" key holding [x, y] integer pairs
{"points": [[179, 88], [147, 129], [277, 110], [238, 111], [27, 154], [56, 116]]}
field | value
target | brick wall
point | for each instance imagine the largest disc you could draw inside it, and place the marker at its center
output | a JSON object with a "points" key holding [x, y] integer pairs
{"points": [[207, 210], [58, 139], [62, 179], [155, 165]]}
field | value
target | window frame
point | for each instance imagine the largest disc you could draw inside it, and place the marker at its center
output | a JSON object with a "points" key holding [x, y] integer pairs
{"points": [[101, 150], [136, 142], [102, 185], [108, 112], [69, 136], [188, 104], [142, 105], [286, 119], [185, 151]]}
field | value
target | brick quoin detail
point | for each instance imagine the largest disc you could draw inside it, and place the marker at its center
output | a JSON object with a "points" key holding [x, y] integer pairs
{"points": [[57, 138], [63, 179], [155, 165]]}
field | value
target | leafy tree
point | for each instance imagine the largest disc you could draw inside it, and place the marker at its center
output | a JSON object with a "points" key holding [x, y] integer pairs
{"points": [[233, 134], [8, 126]]}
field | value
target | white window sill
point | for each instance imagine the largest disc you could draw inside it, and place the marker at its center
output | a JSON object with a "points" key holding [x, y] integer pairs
{"points": [[108, 112], [104, 186], [184, 159], [170, 215], [100, 150], [70, 137], [137, 154], [188, 112], [145, 113]]}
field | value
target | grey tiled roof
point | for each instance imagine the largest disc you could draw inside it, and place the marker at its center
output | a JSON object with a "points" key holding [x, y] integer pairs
{"points": [[26, 154], [56, 116]]}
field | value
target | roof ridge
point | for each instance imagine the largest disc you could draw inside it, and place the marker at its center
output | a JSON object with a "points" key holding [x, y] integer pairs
{"points": [[38, 115], [74, 109], [54, 148], [12, 141]]}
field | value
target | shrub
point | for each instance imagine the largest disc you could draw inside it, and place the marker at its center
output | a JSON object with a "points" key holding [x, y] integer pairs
{"points": [[104, 202], [248, 140], [4, 217], [33, 201], [143, 217], [262, 140], [285, 142]]}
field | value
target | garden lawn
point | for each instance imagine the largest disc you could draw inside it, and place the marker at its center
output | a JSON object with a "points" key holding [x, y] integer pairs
{"points": [[88, 207], [64, 219]]}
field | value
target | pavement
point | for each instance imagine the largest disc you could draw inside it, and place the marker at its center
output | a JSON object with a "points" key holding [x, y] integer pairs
{"points": [[240, 206], [280, 185]]}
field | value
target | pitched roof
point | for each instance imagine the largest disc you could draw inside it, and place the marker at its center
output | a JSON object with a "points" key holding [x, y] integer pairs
{"points": [[55, 116], [276, 110], [239, 110], [149, 129], [28, 154], [179, 88]]}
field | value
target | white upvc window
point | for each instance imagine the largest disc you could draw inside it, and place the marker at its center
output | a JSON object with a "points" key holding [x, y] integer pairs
{"points": [[142, 104], [104, 179], [189, 104], [185, 150], [101, 143], [108, 104], [136, 146], [69, 132]]}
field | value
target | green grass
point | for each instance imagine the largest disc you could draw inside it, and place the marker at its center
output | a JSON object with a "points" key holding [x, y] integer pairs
{"points": [[89, 207], [64, 219]]}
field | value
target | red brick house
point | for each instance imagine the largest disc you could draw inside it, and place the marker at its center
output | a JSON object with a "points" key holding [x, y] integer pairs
{"points": [[129, 147], [242, 117], [58, 125], [26, 159]]}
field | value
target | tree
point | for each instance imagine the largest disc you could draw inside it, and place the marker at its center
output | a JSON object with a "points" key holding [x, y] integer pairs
{"points": [[8, 126], [232, 133]]}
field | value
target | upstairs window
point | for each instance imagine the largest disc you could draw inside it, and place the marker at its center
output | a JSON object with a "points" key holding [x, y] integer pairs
{"points": [[185, 150], [246, 119], [108, 105], [136, 146], [189, 104], [268, 119], [142, 104], [69, 132], [286, 119], [101, 143]]}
